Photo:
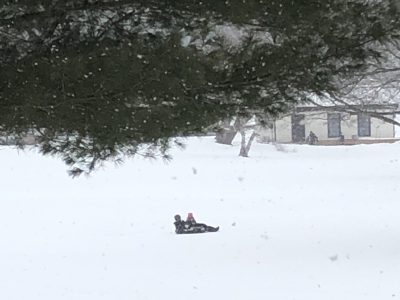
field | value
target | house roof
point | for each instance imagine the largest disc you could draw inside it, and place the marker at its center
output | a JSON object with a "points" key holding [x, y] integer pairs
{"points": [[386, 107]]}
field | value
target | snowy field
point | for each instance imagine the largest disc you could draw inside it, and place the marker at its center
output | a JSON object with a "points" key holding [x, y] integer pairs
{"points": [[309, 223]]}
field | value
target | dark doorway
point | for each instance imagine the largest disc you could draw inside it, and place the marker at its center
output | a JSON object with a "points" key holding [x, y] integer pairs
{"points": [[298, 129]]}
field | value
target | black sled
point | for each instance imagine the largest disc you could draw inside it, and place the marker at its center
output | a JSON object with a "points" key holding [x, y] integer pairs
{"points": [[199, 229]]}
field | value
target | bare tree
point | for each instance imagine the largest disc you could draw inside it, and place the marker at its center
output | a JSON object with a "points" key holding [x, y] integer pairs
{"points": [[375, 92], [230, 128]]}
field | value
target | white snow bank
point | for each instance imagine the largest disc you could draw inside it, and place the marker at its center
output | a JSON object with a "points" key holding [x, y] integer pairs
{"points": [[306, 223]]}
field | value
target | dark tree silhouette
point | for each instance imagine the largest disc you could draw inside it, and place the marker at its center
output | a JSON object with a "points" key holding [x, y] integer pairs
{"points": [[103, 79]]}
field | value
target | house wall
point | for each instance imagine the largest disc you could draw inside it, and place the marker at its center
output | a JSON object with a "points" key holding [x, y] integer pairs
{"points": [[265, 135], [284, 129], [379, 128], [349, 125], [318, 123]]}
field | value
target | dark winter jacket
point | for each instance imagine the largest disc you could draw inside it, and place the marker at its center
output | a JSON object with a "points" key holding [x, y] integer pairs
{"points": [[180, 226]]}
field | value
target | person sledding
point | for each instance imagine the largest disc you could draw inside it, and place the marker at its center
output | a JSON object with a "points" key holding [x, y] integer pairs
{"points": [[191, 226]]}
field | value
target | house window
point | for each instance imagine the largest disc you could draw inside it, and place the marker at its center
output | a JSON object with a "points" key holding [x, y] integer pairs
{"points": [[364, 125], [334, 125]]}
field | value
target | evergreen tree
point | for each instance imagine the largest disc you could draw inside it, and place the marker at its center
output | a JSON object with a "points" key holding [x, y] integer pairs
{"points": [[101, 79]]}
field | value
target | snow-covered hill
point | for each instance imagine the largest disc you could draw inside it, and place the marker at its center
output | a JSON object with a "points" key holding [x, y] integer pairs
{"points": [[304, 222]]}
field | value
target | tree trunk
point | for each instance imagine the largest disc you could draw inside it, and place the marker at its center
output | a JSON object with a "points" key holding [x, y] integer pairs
{"points": [[243, 144], [245, 148]]}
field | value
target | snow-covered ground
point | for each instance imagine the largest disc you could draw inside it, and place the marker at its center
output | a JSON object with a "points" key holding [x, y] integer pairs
{"points": [[309, 223]]}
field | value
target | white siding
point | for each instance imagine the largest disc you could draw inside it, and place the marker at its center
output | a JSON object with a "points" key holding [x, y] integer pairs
{"points": [[381, 129], [284, 130], [349, 126], [265, 134], [317, 122]]}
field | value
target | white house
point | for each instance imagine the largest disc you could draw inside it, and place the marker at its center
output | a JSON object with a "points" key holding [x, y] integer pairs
{"points": [[332, 125]]}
